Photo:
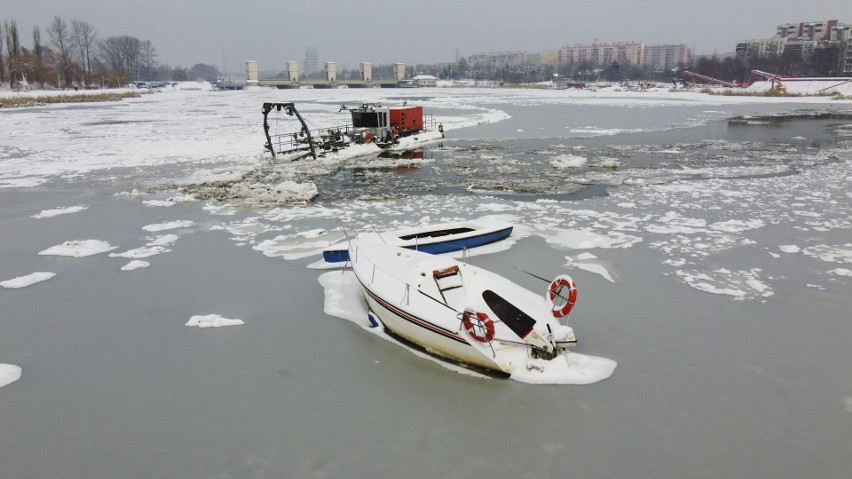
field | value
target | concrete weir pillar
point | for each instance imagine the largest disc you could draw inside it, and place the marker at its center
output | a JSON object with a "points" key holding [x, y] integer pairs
{"points": [[293, 71], [331, 71], [399, 71], [366, 72], [251, 70]]}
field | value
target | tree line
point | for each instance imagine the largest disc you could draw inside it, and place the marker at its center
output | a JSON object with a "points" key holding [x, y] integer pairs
{"points": [[823, 61], [72, 56]]}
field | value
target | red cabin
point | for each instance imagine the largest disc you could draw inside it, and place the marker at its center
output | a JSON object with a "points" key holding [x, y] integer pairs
{"points": [[407, 118]]}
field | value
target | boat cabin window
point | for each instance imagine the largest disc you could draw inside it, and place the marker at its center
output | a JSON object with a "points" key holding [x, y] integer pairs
{"points": [[518, 321], [437, 233], [369, 119]]}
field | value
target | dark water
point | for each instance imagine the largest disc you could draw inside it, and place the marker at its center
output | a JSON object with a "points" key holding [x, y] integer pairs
{"points": [[115, 386]]}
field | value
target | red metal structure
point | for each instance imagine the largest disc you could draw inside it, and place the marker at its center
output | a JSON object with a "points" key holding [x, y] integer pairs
{"points": [[777, 81], [706, 79], [407, 119]]}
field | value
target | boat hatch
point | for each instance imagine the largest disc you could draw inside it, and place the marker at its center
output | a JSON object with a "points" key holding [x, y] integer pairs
{"points": [[447, 279], [517, 320], [437, 234]]}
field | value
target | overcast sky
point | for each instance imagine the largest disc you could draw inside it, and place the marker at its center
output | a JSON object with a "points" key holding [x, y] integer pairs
{"points": [[185, 32]]}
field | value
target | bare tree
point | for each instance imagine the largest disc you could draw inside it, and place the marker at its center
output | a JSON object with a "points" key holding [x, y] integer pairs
{"points": [[13, 52], [38, 47], [13, 41], [39, 52], [60, 37], [2, 67], [121, 54], [84, 38], [148, 60]]}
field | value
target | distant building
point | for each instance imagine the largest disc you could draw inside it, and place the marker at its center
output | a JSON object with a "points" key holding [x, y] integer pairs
{"points": [[425, 81], [550, 57], [844, 37], [497, 59], [311, 63], [601, 54], [666, 57], [805, 38], [810, 31]]}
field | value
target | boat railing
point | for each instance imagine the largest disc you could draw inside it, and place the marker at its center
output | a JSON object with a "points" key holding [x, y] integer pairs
{"points": [[429, 122], [328, 138]]}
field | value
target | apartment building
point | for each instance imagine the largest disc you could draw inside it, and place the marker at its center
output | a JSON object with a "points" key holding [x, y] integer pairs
{"points": [[498, 59], [666, 57], [805, 38], [601, 54]]}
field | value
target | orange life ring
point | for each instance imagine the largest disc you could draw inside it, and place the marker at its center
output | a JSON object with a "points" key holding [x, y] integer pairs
{"points": [[367, 137], [481, 328], [563, 294]]}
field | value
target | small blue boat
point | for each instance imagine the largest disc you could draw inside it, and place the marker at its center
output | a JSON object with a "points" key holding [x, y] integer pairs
{"points": [[434, 239]]}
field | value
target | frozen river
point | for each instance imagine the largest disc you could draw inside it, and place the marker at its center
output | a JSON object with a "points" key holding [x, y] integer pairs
{"points": [[710, 238]]}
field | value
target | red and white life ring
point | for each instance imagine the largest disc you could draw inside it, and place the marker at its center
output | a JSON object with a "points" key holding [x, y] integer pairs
{"points": [[563, 294], [367, 137], [478, 325]]}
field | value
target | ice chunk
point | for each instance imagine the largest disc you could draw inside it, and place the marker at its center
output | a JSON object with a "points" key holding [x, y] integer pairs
{"points": [[59, 211], [24, 281], [213, 321], [135, 264], [9, 373], [78, 248]]}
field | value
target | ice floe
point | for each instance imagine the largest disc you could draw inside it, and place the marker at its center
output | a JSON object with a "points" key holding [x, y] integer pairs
{"points": [[169, 225], [59, 211], [299, 245], [135, 264], [78, 248], [212, 321], [587, 239], [744, 284], [27, 280], [171, 201], [9, 373], [830, 254], [568, 161], [588, 262]]}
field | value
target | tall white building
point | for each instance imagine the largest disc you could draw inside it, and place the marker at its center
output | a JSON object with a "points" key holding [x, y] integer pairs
{"points": [[666, 57], [311, 64]]}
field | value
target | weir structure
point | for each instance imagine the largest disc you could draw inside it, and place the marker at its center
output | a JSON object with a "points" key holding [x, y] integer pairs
{"points": [[331, 80]]}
